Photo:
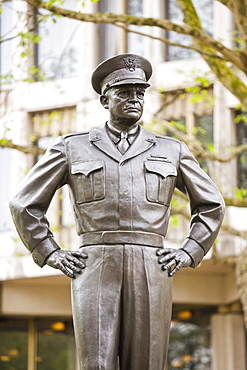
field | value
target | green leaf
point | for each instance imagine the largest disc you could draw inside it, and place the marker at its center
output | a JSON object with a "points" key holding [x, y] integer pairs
{"points": [[210, 147], [174, 220], [241, 193], [53, 2], [26, 35], [34, 70], [241, 118], [36, 38], [179, 125]]}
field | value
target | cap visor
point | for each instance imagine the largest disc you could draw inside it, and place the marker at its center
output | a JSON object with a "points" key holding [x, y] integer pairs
{"points": [[130, 81]]}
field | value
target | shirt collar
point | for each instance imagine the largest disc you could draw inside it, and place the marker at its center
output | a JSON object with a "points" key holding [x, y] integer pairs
{"points": [[115, 134]]}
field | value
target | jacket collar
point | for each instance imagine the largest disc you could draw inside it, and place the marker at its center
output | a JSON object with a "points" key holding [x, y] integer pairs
{"points": [[144, 141]]}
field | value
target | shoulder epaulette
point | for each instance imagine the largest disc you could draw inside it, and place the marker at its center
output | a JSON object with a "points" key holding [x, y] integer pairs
{"points": [[75, 134], [167, 138]]}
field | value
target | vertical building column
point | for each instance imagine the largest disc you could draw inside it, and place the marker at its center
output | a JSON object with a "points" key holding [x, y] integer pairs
{"points": [[224, 137], [32, 346], [228, 342], [123, 39]]}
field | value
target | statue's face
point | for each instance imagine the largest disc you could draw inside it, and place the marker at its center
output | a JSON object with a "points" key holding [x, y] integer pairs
{"points": [[125, 103]]}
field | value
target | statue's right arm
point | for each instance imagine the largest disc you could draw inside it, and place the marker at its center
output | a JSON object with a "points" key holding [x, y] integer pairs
{"points": [[32, 199]]}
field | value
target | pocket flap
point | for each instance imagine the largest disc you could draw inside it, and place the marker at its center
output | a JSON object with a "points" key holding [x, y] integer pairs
{"points": [[163, 169], [86, 167]]}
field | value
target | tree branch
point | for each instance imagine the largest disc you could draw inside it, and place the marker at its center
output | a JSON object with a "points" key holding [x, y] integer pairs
{"points": [[24, 149], [234, 202], [199, 149], [165, 24], [167, 41], [226, 75]]}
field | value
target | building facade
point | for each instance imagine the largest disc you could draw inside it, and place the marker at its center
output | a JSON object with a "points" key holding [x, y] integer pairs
{"points": [[36, 330]]}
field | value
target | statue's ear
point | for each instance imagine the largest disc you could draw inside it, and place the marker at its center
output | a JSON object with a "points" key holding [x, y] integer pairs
{"points": [[104, 101]]}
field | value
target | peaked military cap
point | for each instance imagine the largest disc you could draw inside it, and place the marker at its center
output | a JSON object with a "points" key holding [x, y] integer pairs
{"points": [[121, 69]]}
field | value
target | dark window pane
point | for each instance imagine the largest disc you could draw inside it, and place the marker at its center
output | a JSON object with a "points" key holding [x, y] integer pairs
{"points": [[189, 346], [205, 133], [205, 129], [241, 129], [13, 343], [56, 345]]}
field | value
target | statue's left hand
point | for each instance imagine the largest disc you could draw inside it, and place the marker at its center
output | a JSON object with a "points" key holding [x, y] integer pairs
{"points": [[173, 260], [69, 262]]}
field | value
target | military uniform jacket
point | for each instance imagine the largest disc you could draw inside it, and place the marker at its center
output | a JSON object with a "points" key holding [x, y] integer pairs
{"points": [[117, 198]]}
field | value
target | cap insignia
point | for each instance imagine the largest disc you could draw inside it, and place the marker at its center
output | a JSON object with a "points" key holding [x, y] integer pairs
{"points": [[130, 64]]}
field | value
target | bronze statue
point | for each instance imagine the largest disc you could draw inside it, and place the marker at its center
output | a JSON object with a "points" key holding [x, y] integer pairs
{"points": [[121, 179]]}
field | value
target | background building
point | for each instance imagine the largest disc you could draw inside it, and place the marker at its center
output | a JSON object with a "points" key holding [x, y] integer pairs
{"points": [[36, 329]]}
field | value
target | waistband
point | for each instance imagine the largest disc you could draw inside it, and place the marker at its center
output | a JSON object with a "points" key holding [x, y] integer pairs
{"points": [[122, 237]]}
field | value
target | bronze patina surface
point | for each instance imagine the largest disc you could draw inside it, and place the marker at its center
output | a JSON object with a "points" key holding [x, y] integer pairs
{"points": [[121, 178]]}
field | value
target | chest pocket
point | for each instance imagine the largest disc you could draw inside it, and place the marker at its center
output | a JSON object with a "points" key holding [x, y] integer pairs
{"points": [[160, 180], [88, 181]]}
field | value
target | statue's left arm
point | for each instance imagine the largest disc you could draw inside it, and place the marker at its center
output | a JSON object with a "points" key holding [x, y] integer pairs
{"points": [[207, 212]]}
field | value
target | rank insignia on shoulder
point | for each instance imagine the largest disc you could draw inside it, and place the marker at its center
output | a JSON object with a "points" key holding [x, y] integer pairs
{"points": [[151, 140]]}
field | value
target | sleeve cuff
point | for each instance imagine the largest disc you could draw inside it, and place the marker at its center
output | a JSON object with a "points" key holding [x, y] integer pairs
{"points": [[194, 250], [44, 250]]}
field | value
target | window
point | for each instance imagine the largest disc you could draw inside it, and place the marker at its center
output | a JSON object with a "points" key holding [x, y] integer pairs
{"points": [[6, 46], [55, 337], [43, 344], [204, 10], [13, 343], [189, 346], [205, 127], [241, 130], [57, 52], [112, 40]]}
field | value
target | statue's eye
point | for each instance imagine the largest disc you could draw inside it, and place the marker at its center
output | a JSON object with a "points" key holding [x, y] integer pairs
{"points": [[123, 94], [140, 94]]}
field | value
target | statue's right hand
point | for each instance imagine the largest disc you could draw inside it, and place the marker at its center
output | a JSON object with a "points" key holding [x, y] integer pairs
{"points": [[69, 262]]}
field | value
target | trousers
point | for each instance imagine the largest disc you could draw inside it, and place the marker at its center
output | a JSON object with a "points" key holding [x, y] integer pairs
{"points": [[122, 309]]}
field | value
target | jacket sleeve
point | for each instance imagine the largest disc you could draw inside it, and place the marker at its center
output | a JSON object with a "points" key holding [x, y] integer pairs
{"points": [[206, 203], [33, 197]]}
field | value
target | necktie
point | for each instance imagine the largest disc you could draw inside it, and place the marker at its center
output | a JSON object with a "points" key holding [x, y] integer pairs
{"points": [[123, 144]]}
